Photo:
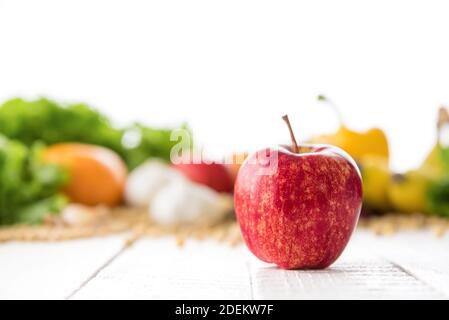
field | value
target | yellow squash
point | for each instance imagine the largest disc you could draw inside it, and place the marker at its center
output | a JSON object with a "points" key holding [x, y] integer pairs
{"points": [[376, 179], [408, 192], [434, 164]]}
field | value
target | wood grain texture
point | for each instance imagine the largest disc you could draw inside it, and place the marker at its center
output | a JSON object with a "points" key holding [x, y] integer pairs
{"points": [[158, 269], [408, 265], [52, 270], [420, 254], [360, 273]]}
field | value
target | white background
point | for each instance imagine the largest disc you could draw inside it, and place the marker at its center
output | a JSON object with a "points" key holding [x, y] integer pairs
{"points": [[231, 69]]}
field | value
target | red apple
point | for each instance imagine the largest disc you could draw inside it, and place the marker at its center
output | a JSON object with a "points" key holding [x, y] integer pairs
{"points": [[301, 214], [213, 175], [235, 164]]}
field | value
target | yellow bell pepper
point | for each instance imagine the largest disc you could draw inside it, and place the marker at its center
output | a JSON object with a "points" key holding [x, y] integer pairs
{"points": [[357, 144]]}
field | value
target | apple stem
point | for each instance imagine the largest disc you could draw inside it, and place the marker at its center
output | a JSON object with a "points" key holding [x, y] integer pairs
{"points": [[334, 107], [295, 147], [443, 120]]}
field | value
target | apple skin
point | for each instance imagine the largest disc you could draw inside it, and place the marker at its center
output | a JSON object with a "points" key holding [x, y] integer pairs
{"points": [[213, 175], [303, 215]]}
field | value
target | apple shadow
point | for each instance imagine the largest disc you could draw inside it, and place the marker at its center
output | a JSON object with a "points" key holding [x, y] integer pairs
{"points": [[329, 270]]}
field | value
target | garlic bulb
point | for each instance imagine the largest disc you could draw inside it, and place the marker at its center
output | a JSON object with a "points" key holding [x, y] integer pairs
{"points": [[146, 180], [184, 202], [81, 215]]}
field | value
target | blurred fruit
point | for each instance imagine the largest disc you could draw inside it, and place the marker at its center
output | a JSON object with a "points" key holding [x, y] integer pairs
{"points": [[357, 144], [234, 163], [97, 175], [408, 192], [213, 175], [376, 179]]}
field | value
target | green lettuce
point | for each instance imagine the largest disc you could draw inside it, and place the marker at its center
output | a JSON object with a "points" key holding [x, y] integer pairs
{"points": [[29, 188], [50, 122]]}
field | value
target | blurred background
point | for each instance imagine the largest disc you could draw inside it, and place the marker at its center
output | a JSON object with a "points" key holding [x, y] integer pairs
{"points": [[231, 69]]}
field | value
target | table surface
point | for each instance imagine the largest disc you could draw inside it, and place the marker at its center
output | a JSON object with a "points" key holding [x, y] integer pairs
{"points": [[407, 265]]}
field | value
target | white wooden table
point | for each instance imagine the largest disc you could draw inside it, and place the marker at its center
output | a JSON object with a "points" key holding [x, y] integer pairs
{"points": [[407, 265]]}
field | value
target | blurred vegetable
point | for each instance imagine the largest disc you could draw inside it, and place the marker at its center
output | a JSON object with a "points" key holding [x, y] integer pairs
{"points": [[426, 189], [145, 181], [357, 144], [376, 179], [417, 191], [50, 122], [438, 197], [171, 198], [437, 162], [185, 202], [408, 192], [29, 188], [436, 165], [80, 215], [97, 174]]}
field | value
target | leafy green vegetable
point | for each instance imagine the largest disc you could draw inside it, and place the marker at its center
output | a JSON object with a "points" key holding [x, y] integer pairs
{"points": [[47, 121], [152, 143], [437, 167], [29, 189], [438, 196]]}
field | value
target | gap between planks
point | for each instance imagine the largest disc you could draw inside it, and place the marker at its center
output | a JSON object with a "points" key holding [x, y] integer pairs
{"points": [[372, 268], [44, 270], [158, 269], [96, 272], [250, 275], [411, 274]]}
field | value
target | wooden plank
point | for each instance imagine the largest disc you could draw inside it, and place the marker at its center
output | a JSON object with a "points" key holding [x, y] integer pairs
{"points": [[44, 270], [419, 253], [407, 265], [158, 269], [359, 274]]}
